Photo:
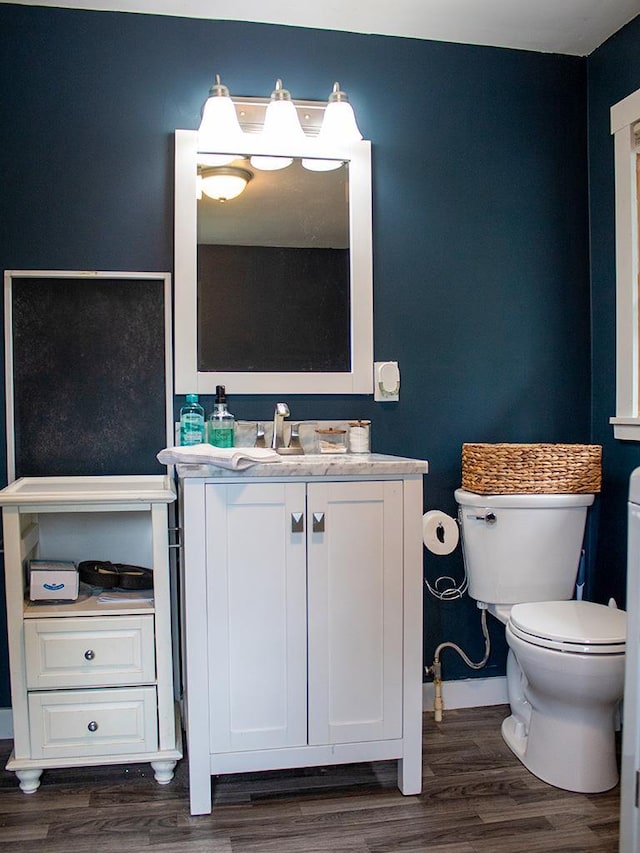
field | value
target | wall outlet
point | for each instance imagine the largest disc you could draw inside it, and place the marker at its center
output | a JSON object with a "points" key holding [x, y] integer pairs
{"points": [[386, 381]]}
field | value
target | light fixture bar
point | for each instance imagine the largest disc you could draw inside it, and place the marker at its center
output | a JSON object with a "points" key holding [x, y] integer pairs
{"points": [[251, 112]]}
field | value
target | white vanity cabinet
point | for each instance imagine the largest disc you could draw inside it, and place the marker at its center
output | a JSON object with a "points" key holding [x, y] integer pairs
{"points": [[91, 680], [302, 613]]}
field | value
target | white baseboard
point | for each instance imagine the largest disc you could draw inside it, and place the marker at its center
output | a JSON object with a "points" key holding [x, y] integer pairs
{"points": [[6, 724], [467, 693]]}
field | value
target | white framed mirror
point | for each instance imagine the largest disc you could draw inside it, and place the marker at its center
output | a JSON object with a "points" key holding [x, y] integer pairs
{"points": [[267, 303]]}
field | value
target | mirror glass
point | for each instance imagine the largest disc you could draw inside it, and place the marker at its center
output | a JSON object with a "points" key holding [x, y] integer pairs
{"points": [[274, 262], [274, 287]]}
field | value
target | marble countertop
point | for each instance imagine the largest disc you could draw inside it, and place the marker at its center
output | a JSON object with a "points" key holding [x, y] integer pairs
{"points": [[316, 465]]}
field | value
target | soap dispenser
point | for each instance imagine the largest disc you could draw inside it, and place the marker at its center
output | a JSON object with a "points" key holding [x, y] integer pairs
{"points": [[221, 421]]}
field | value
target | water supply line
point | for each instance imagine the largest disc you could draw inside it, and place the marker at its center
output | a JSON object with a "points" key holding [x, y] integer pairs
{"points": [[436, 667]]}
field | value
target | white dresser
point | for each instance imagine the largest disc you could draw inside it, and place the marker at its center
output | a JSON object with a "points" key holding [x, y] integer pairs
{"points": [[91, 680], [302, 615]]}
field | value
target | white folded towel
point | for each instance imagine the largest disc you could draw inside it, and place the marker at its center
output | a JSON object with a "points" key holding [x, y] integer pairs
{"points": [[235, 458]]}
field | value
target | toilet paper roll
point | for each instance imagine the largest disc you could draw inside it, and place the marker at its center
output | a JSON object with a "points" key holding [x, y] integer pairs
{"points": [[439, 532]]}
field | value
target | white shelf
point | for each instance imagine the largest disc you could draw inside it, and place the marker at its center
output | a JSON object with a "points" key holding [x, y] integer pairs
{"points": [[88, 491], [86, 606]]}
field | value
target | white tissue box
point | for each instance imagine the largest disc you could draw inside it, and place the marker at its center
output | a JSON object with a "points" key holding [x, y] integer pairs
{"points": [[53, 579]]}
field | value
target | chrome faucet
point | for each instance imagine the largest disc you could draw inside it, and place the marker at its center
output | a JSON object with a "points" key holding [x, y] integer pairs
{"points": [[281, 412]]}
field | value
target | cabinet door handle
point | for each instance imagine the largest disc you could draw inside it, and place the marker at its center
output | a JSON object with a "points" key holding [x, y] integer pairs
{"points": [[318, 522], [297, 522], [89, 654], [93, 726]]}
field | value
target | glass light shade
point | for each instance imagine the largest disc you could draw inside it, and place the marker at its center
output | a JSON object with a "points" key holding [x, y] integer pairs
{"points": [[216, 159], [220, 129], [270, 164], [339, 123], [281, 128], [317, 165], [223, 184], [338, 126]]}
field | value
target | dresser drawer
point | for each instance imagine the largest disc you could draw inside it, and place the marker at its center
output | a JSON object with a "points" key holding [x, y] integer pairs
{"points": [[92, 651], [79, 723]]}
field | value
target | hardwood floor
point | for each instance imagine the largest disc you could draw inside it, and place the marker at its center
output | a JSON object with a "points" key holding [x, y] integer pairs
{"points": [[477, 798]]}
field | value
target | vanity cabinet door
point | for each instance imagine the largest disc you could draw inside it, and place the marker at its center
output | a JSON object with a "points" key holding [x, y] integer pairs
{"points": [[256, 590], [355, 579]]}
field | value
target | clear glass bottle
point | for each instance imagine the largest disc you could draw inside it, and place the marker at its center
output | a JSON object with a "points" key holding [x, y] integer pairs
{"points": [[191, 421], [221, 421]]}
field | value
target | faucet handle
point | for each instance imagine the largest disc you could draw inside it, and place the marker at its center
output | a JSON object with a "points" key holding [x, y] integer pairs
{"points": [[260, 439], [294, 440]]}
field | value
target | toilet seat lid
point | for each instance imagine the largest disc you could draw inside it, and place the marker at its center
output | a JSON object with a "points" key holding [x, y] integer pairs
{"points": [[572, 626]]}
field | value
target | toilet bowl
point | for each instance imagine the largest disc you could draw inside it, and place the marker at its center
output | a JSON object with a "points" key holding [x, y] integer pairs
{"points": [[565, 677], [565, 669]]}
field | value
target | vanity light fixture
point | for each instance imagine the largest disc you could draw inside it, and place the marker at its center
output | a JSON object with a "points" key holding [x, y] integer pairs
{"points": [[338, 126], [219, 129], [281, 126], [223, 183], [221, 137]]}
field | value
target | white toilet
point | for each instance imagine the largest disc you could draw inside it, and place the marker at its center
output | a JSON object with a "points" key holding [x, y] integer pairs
{"points": [[565, 669]]}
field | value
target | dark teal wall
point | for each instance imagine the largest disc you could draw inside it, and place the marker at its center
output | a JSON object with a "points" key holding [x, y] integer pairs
{"points": [[480, 212], [613, 74]]}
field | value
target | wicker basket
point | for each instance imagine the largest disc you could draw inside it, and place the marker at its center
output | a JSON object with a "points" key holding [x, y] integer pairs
{"points": [[505, 469]]}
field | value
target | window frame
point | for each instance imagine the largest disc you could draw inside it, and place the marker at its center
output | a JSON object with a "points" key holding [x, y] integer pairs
{"points": [[625, 115]]}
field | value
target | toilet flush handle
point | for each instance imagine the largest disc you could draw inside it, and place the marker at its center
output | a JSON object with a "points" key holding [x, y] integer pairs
{"points": [[488, 517]]}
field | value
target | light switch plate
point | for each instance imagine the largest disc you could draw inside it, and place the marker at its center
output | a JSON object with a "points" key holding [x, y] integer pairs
{"points": [[386, 381]]}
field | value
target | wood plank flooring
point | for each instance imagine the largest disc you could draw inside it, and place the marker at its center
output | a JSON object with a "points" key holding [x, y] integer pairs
{"points": [[477, 798]]}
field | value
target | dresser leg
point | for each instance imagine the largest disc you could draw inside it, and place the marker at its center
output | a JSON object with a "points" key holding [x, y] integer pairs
{"points": [[29, 780], [163, 771]]}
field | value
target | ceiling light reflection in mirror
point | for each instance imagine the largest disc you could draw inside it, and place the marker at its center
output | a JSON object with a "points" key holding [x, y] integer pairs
{"points": [[293, 207]]}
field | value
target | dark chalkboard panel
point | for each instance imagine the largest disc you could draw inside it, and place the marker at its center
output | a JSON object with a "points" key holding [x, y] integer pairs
{"points": [[88, 373]]}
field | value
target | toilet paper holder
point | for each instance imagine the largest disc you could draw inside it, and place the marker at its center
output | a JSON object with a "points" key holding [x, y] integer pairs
{"points": [[440, 532]]}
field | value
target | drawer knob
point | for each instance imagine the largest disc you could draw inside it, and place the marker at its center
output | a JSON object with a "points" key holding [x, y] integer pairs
{"points": [[93, 726], [89, 654]]}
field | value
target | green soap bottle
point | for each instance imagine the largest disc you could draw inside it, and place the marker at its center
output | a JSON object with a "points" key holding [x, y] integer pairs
{"points": [[221, 421]]}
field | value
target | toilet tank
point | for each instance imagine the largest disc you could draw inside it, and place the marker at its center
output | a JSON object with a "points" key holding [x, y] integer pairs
{"points": [[520, 548]]}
